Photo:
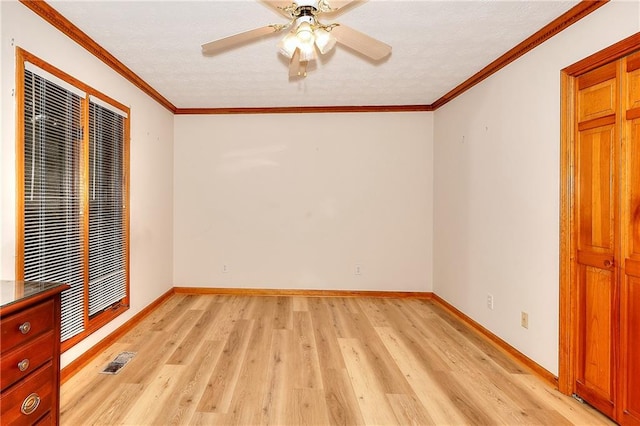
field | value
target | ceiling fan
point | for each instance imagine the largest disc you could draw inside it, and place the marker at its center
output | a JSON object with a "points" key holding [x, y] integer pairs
{"points": [[306, 34]]}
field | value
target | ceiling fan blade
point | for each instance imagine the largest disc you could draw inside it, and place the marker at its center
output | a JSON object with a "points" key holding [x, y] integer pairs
{"points": [[222, 44], [280, 6], [360, 42], [340, 6]]}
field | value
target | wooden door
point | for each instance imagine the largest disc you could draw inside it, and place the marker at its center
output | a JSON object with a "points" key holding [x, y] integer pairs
{"points": [[599, 356], [629, 401], [596, 207]]}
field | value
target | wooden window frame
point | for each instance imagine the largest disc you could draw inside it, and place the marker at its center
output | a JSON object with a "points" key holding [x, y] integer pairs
{"points": [[93, 324]]}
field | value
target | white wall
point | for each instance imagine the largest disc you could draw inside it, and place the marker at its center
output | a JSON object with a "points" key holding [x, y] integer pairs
{"points": [[496, 214], [297, 201], [151, 239]]}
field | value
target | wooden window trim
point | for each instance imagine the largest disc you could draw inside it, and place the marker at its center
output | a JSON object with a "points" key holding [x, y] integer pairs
{"points": [[91, 325]]}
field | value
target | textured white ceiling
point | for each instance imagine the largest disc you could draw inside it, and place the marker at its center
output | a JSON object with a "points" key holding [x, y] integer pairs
{"points": [[436, 46]]}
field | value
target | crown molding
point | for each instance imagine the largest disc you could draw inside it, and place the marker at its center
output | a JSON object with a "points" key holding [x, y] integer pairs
{"points": [[565, 20], [53, 17], [305, 109]]}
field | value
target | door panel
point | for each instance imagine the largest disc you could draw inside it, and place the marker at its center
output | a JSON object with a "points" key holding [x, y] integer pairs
{"points": [[597, 93], [596, 204], [629, 404], [594, 378], [597, 313], [630, 356], [598, 101], [633, 81]]}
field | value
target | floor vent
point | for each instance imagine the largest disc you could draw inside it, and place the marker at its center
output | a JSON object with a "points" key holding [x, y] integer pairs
{"points": [[116, 365]]}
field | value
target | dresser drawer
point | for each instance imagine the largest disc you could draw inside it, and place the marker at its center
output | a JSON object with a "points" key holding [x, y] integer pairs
{"points": [[47, 420], [25, 325], [22, 360], [29, 400]]}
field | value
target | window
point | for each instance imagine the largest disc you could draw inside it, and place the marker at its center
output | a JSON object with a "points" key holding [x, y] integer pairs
{"points": [[72, 195], [107, 271]]}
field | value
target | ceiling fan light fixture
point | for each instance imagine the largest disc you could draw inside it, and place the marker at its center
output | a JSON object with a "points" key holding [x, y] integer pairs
{"points": [[324, 40], [289, 44], [307, 51], [304, 32]]}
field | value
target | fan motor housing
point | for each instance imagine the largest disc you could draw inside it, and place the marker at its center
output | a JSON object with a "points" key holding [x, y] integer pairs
{"points": [[306, 11]]}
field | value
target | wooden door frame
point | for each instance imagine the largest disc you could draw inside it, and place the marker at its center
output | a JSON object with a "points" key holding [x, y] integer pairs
{"points": [[568, 320]]}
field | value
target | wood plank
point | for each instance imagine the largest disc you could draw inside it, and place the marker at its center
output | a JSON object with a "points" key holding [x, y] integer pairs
{"points": [[190, 385], [80, 404], [170, 319], [324, 331], [419, 376], [246, 404], [409, 329], [155, 350], [276, 387], [207, 419], [409, 410], [300, 304], [219, 390], [233, 308], [159, 391], [77, 406], [284, 313], [342, 404], [337, 309], [375, 311], [367, 384], [308, 408], [490, 344], [355, 323], [552, 399], [109, 409], [340, 398], [189, 345], [307, 368]]}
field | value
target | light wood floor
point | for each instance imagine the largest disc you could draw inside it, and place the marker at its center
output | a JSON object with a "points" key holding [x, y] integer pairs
{"points": [[205, 359]]}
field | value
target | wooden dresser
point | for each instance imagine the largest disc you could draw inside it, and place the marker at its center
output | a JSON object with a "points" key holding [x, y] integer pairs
{"points": [[30, 352]]}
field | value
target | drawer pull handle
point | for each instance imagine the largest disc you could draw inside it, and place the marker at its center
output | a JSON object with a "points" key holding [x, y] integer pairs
{"points": [[30, 404], [25, 327], [23, 365]]}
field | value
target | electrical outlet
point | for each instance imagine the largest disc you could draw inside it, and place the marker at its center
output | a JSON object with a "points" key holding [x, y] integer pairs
{"points": [[524, 319], [358, 270], [490, 301], [225, 269]]}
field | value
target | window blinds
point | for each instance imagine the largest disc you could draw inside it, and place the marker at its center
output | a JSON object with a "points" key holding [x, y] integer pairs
{"points": [[107, 275], [53, 249]]}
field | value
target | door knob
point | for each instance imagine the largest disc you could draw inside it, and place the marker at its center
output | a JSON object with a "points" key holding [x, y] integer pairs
{"points": [[608, 263]]}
